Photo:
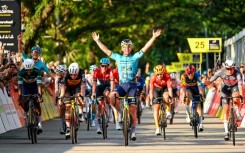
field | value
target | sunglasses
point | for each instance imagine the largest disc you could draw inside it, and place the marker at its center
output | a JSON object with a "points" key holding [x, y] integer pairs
{"points": [[73, 75], [159, 74], [127, 45], [103, 66], [241, 66], [228, 69], [29, 70]]}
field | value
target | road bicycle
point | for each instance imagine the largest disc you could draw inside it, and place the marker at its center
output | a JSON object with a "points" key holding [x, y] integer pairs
{"points": [[104, 118], [32, 127], [89, 113], [74, 123], [194, 114], [232, 123], [126, 118], [162, 117]]}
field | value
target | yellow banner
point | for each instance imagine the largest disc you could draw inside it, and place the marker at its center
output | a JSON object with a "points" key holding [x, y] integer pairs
{"points": [[190, 57], [170, 69], [178, 66], [205, 45]]}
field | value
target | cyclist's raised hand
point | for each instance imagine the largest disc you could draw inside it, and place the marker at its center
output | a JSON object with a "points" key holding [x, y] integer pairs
{"points": [[95, 36], [157, 33]]}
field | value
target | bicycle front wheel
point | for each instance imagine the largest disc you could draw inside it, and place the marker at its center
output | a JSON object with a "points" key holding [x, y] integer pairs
{"points": [[73, 127], [88, 118], [125, 126], [139, 111], [172, 112], [104, 125], [194, 122], [233, 126], [32, 131], [163, 123]]}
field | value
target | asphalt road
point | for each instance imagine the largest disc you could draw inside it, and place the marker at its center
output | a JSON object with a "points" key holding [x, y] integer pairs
{"points": [[180, 139]]}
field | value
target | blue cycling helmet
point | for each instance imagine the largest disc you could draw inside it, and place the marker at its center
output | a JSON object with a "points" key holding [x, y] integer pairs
{"points": [[105, 61], [35, 48]]}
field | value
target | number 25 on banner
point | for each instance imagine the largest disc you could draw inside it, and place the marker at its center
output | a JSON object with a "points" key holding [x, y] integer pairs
{"points": [[205, 45]]}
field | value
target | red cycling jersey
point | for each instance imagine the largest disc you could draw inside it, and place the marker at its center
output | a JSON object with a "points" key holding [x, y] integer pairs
{"points": [[102, 77], [160, 83], [115, 76]]}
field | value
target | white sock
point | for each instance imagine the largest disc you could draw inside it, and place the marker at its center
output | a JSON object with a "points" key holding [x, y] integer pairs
{"points": [[200, 120], [226, 126]]}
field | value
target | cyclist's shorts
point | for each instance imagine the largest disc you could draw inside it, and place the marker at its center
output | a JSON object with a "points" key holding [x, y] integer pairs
{"points": [[29, 88], [24, 103], [127, 88], [100, 89], [175, 92], [193, 90], [227, 91], [88, 92], [158, 92]]}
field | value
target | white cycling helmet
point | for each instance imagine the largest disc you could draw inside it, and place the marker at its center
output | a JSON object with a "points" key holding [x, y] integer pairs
{"points": [[126, 42], [28, 64], [229, 63], [73, 68], [173, 76], [61, 69]]}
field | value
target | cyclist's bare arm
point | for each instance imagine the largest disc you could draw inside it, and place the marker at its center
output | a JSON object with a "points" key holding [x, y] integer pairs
{"points": [[20, 89], [151, 41], [170, 90], [214, 77], [94, 89], [147, 68], [20, 48], [82, 92], [112, 84], [96, 38], [39, 88], [62, 91]]}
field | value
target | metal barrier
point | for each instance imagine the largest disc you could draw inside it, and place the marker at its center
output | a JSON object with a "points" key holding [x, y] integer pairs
{"points": [[235, 47]]}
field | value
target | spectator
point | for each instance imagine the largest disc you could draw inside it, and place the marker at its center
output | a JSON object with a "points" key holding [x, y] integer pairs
{"points": [[242, 70]]}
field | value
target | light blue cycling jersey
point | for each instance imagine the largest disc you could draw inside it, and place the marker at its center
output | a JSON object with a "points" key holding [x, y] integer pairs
{"points": [[127, 66], [40, 65]]}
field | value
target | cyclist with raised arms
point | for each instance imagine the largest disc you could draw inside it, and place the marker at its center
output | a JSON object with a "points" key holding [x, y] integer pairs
{"points": [[231, 86], [160, 86], [29, 81], [101, 87], [60, 72], [72, 83], [127, 68], [191, 86], [35, 53]]}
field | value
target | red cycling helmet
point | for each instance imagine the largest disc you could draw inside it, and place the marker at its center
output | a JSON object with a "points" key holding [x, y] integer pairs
{"points": [[190, 69]]}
